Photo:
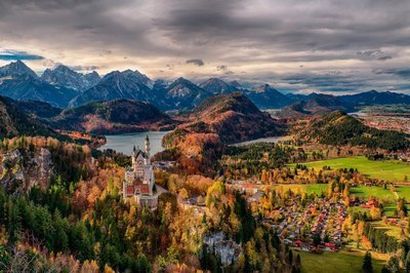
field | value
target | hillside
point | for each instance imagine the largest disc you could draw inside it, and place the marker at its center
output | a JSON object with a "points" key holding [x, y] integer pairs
{"points": [[14, 121], [218, 121], [39, 109], [338, 128], [118, 116], [234, 118]]}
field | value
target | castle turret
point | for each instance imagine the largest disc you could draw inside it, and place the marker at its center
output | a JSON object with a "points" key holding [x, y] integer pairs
{"points": [[147, 147]]}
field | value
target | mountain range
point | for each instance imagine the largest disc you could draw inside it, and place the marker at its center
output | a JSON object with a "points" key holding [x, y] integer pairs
{"points": [[63, 87], [64, 76], [19, 82]]}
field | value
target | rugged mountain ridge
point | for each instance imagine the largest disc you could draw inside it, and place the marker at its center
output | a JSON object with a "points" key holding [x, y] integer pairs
{"points": [[113, 86], [19, 82], [217, 86], [183, 94], [64, 76]]}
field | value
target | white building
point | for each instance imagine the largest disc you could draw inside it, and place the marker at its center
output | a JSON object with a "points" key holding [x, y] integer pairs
{"points": [[139, 182]]}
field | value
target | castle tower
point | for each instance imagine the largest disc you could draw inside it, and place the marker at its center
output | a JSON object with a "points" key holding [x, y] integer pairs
{"points": [[134, 159], [147, 147]]}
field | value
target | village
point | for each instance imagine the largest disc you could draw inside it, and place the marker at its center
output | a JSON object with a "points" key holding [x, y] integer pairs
{"points": [[315, 227]]}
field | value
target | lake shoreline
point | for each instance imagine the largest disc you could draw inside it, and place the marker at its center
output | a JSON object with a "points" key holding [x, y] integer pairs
{"points": [[124, 143]]}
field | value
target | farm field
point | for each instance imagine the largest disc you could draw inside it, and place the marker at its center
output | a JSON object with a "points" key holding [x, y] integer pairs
{"points": [[378, 192], [388, 170], [403, 192], [339, 262], [385, 195], [304, 188]]}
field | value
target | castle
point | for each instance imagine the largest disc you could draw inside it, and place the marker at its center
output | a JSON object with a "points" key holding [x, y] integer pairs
{"points": [[139, 182]]}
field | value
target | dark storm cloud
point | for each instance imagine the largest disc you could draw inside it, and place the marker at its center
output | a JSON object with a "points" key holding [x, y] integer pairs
{"points": [[304, 26], [334, 81], [244, 35], [198, 62], [376, 54], [84, 67], [401, 72], [222, 67], [13, 55]]}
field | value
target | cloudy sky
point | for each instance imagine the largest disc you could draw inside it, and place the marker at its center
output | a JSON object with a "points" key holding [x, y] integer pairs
{"points": [[302, 45]]}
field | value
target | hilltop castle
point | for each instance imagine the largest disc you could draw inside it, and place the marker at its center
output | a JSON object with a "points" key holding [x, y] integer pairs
{"points": [[139, 182]]}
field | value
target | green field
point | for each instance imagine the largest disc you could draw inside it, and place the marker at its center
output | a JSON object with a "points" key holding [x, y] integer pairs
{"points": [[304, 188], [340, 262], [389, 170], [403, 192], [380, 193]]}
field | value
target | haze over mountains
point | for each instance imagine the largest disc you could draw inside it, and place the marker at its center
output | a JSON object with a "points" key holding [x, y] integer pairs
{"points": [[63, 87]]}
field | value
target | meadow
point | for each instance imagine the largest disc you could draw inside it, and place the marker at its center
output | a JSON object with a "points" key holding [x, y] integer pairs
{"points": [[304, 188], [340, 262], [389, 170], [364, 192]]}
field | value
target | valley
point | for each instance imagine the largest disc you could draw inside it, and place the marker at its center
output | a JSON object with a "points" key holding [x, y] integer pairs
{"points": [[135, 175]]}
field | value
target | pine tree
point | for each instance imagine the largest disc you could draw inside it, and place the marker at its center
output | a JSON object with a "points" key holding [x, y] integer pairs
{"points": [[367, 266]]}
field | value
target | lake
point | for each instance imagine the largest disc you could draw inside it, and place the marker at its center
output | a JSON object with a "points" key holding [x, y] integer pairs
{"points": [[125, 142], [259, 140]]}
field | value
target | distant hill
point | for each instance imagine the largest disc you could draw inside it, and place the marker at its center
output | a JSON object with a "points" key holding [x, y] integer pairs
{"points": [[374, 97], [14, 121], [118, 116], [218, 121], [338, 128], [233, 117], [314, 104], [266, 97]]}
